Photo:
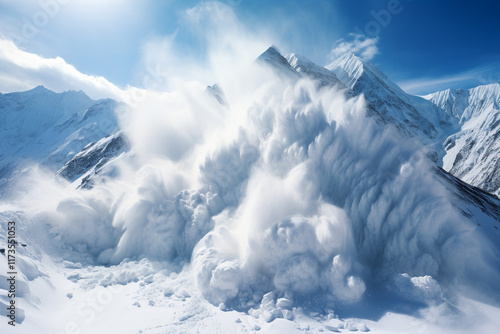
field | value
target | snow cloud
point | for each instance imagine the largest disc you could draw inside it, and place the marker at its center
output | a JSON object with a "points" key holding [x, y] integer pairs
{"points": [[362, 46], [307, 200]]}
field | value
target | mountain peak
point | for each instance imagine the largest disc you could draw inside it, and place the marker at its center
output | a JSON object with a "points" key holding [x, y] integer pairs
{"points": [[348, 68], [490, 91], [452, 101], [277, 62], [39, 89], [465, 104], [77, 93], [271, 50], [271, 55]]}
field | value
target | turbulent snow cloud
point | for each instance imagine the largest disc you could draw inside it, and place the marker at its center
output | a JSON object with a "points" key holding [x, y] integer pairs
{"points": [[330, 205], [362, 46], [21, 70]]}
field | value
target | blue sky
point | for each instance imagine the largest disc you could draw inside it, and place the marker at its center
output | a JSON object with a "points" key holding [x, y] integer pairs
{"points": [[424, 45]]}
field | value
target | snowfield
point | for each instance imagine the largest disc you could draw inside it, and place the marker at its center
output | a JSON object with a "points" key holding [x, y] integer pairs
{"points": [[274, 202]]}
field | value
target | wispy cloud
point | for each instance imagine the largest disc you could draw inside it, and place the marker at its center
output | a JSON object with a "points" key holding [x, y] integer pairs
{"points": [[477, 76], [21, 70], [218, 46], [362, 46]]}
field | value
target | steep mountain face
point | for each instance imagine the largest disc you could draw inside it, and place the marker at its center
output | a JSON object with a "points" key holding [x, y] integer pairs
{"points": [[50, 128], [452, 101], [411, 115], [93, 157], [459, 127], [473, 153], [28, 120]]}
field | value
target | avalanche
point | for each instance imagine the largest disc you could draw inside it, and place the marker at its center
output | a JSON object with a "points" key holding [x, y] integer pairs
{"points": [[280, 202]]}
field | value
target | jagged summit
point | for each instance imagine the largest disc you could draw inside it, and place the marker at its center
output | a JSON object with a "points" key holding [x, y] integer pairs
{"points": [[273, 58], [348, 68], [452, 101], [42, 90], [294, 66], [271, 53], [465, 104], [39, 88]]}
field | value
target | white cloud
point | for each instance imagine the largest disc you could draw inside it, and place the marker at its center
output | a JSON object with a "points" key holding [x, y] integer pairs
{"points": [[362, 46], [473, 77], [21, 70]]}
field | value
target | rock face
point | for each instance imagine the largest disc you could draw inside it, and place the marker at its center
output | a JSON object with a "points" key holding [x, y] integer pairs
{"points": [[94, 156]]}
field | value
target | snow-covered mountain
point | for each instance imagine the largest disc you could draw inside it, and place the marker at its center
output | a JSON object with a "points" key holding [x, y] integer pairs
{"points": [[458, 127], [413, 116], [466, 117], [290, 211], [50, 128], [473, 153]]}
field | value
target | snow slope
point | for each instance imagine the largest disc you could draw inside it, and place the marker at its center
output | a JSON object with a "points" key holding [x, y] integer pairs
{"points": [[50, 128], [473, 153]]}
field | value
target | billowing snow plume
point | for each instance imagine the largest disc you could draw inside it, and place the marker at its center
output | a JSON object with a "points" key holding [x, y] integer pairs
{"points": [[334, 202], [300, 196]]}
